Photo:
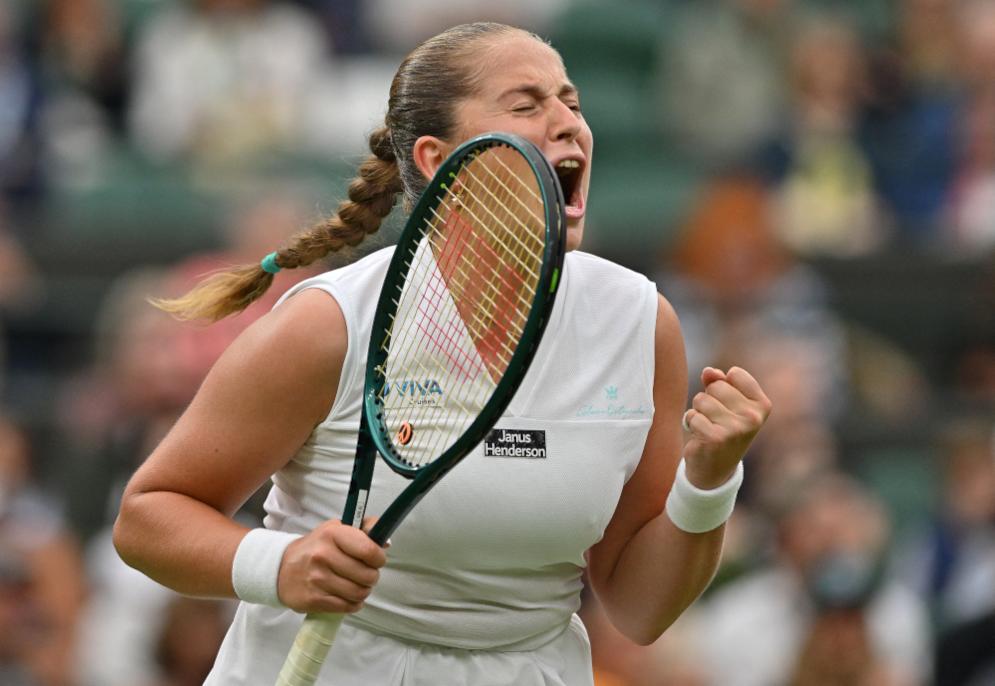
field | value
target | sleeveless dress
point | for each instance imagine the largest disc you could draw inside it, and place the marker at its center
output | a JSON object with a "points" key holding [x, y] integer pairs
{"points": [[483, 578]]}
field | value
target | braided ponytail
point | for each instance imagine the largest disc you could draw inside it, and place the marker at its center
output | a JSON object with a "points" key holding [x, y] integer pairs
{"points": [[372, 195]]}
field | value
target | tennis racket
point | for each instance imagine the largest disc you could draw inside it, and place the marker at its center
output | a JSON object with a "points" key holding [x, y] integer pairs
{"points": [[463, 306]]}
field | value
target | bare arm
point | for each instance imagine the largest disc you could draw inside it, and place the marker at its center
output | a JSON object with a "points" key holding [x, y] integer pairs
{"points": [[646, 571], [255, 409]]}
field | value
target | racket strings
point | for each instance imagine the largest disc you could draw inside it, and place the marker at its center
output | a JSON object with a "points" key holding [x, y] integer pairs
{"points": [[501, 202], [469, 366], [471, 282]]}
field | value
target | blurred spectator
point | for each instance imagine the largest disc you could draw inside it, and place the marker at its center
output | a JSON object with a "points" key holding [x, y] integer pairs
{"points": [[120, 626], [21, 620], [80, 56], [397, 26], [739, 292], [21, 173], [909, 130], [20, 282], [824, 611], [191, 634], [41, 574], [115, 413], [722, 84], [972, 214], [954, 565], [343, 21], [826, 202], [255, 61]]}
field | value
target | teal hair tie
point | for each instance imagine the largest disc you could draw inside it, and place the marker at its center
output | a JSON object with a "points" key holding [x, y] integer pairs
{"points": [[269, 264]]}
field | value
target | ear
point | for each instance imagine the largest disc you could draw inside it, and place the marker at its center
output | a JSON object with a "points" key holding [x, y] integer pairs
{"points": [[429, 153]]}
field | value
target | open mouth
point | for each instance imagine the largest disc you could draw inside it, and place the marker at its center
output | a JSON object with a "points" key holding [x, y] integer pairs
{"points": [[570, 172]]}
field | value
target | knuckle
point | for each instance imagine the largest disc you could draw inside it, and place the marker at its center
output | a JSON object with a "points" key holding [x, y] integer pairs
{"points": [[314, 578]]}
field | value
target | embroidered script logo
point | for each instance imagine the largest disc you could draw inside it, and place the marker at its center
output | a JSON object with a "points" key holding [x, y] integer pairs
{"points": [[612, 409]]}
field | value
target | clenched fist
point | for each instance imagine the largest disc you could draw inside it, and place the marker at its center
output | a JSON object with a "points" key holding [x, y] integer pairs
{"points": [[722, 421]]}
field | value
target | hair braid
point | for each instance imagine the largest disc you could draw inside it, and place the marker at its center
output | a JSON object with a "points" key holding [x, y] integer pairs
{"points": [[371, 197]]}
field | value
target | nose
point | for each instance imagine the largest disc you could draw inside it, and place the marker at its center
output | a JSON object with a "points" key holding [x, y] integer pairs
{"points": [[564, 124]]}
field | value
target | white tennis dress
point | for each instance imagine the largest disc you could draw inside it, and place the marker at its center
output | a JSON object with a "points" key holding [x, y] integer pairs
{"points": [[483, 578]]}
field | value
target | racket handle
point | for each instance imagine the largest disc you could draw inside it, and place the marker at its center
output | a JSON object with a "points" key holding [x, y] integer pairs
{"points": [[314, 639]]}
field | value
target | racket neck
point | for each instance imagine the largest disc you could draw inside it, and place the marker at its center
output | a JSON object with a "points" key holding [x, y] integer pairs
{"points": [[362, 477]]}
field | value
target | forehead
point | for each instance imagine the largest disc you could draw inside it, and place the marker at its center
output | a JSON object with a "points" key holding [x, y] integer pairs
{"points": [[515, 59]]}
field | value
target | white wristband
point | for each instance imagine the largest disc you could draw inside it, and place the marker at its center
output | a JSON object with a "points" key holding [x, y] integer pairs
{"points": [[256, 567], [696, 510]]}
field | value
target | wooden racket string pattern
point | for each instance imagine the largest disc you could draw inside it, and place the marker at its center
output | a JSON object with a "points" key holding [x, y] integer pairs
{"points": [[463, 308]]}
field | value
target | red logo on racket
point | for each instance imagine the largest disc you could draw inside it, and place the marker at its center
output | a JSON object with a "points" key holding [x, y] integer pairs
{"points": [[404, 434]]}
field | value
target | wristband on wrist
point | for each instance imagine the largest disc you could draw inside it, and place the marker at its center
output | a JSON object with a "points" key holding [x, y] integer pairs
{"points": [[696, 510], [256, 567]]}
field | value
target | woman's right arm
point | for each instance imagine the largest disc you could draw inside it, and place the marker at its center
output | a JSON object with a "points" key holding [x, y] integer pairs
{"points": [[255, 409]]}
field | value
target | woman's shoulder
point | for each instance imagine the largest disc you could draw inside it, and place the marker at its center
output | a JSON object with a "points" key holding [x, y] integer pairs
{"points": [[344, 282], [589, 266]]}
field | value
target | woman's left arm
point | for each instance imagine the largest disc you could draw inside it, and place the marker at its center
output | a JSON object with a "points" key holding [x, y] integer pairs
{"points": [[645, 570]]}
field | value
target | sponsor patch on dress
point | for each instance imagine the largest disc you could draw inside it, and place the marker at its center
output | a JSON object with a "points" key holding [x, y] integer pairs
{"points": [[527, 443]]}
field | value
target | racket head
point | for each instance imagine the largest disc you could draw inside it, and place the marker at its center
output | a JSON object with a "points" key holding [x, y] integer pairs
{"points": [[464, 304]]}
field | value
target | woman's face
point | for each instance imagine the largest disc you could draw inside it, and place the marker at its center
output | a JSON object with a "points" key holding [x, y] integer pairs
{"points": [[523, 89]]}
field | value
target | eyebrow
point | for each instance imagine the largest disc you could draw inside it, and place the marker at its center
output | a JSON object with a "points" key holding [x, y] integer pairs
{"points": [[537, 92]]}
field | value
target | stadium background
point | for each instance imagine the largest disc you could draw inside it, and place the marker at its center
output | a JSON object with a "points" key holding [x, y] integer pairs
{"points": [[812, 183]]}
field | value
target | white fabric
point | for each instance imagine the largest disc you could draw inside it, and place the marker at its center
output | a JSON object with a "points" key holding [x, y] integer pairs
{"points": [[256, 568], [697, 510], [491, 560]]}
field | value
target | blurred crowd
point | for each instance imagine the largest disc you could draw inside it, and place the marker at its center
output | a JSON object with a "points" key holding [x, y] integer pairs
{"points": [[830, 225]]}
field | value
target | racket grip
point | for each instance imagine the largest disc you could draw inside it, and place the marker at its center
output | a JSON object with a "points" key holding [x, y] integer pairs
{"points": [[314, 639]]}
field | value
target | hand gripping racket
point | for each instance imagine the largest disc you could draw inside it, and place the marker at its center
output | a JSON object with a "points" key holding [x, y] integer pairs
{"points": [[463, 306]]}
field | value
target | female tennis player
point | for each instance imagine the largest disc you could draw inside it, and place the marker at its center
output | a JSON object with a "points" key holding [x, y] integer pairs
{"points": [[483, 579]]}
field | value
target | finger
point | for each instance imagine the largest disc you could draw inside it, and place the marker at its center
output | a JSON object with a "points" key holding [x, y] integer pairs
{"points": [[336, 582], [357, 544], [699, 425], [711, 375], [729, 395], [744, 382], [713, 409], [369, 523], [356, 571], [332, 604]]}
